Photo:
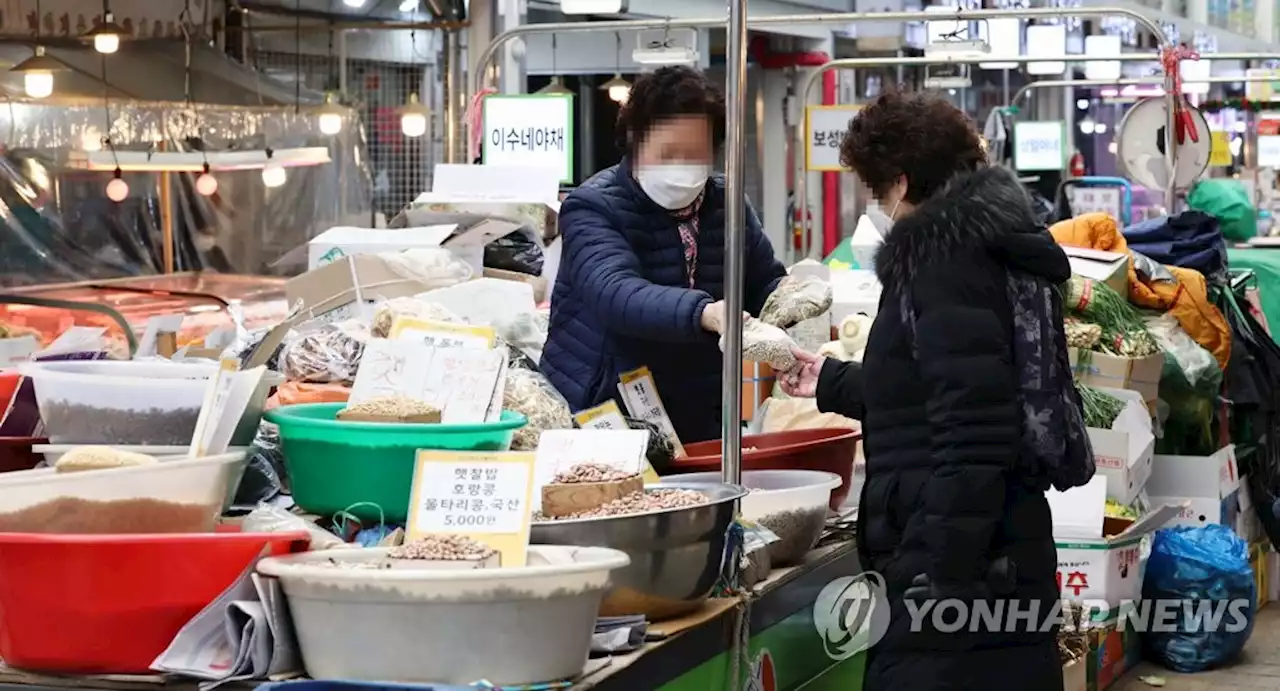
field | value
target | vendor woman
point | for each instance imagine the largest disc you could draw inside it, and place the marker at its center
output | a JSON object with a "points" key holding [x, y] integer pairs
{"points": [[641, 280]]}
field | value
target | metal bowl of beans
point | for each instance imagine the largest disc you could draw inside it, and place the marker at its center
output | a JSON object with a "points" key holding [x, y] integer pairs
{"points": [[676, 553]]}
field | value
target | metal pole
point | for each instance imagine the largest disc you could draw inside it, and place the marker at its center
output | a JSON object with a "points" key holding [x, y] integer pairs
{"points": [[1026, 90], [450, 95], [735, 200], [856, 63], [834, 18]]}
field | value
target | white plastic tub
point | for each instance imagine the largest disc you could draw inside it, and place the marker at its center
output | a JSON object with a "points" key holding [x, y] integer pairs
{"points": [[129, 402], [791, 503], [176, 495], [52, 452], [509, 626]]}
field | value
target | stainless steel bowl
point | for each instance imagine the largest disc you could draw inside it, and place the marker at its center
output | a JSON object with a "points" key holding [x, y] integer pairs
{"points": [[675, 554]]}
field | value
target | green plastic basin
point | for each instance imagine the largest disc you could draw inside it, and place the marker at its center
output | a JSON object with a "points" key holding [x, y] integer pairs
{"points": [[359, 467]]}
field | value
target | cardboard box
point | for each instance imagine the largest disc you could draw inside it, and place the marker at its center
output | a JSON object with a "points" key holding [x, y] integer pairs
{"points": [[1098, 556], [1113, 651], [1111, 268], [1207, 486], [1123, 453], [1247, 525], [1075, 675], [539, 284], [337, 243], [1113, 372], [336, 290]]}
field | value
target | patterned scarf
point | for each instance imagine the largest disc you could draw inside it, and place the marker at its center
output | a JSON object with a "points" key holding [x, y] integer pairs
{"points": [[687, 222]]}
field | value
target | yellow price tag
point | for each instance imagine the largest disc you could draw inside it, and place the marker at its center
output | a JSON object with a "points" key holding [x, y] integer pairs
{"points": [[484, 496], [443, 334], [1220, 151]]}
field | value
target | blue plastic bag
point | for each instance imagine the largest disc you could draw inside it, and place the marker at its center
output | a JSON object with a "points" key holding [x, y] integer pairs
{"points": [[1204, 573]]}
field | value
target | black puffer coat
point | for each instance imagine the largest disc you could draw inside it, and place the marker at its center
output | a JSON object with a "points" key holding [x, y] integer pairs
{"points": [[941, 505]]}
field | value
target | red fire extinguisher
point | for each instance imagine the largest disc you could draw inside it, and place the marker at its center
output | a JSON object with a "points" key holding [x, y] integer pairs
{"points": [[1076, 165]]}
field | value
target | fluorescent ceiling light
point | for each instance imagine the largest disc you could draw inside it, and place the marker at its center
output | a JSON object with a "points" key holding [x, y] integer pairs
{"points": [[193, 161], [593, 6], [409, 5]]}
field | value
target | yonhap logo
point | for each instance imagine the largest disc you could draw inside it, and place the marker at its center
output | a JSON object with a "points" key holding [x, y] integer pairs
{"points": [[851, 614]]}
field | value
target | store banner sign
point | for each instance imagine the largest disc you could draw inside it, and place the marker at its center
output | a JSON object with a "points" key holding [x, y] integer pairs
{"points": [[1039, 146], [531, 131], [1220, 150], [1269, 151], [824, 128]]}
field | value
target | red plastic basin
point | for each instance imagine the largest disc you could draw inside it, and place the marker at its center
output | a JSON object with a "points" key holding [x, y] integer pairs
{"points": [[110, 604], [830, 450]]}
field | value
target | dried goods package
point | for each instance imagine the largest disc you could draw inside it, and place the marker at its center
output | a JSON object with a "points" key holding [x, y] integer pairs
{"points": [[765, 343], [529, 393], [321, 354], [796, 299]]}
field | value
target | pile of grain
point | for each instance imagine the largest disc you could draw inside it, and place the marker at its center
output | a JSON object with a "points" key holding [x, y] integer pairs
{"points": [[125, 516], [638, 503], [590, 472], [76, 423], [442, 548], [798, 530], [392, 407]]}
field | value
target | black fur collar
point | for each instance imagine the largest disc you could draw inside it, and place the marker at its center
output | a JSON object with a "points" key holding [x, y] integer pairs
{"points": [[974, 209]]}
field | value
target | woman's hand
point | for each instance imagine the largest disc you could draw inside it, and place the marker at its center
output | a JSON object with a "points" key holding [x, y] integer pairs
{"points": [[713, 317], [802, 382]]}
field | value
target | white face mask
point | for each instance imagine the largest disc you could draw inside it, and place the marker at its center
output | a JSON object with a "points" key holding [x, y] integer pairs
{"points": [[673, 186], [882, 221]]}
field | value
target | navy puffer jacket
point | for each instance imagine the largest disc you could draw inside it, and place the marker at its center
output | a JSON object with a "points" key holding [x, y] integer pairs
{"points": [[622, 299]]}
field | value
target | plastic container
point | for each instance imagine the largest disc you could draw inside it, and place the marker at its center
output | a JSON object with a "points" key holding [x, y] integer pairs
{"points": [[794, 504], [509, 626], [830, 450], [357, 467], [52, 452], [183, 495], [130, 402], [110, 604], [313, 685]]}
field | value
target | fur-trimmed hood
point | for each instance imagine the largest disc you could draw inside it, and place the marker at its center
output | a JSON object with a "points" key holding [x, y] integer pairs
{"points": [[986, 208]]}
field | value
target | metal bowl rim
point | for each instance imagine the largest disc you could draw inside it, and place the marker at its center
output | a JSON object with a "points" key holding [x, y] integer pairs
{"points": [[736, 491]]}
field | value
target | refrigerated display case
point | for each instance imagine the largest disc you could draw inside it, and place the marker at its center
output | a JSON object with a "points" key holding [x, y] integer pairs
{"points": [[207, 302]]}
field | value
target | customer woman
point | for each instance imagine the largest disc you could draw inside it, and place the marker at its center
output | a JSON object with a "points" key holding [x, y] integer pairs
{"points": [[953, 507], [641, 279]]}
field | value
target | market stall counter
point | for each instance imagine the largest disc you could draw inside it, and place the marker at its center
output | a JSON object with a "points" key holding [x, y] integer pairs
{"points": [[785, 649]]}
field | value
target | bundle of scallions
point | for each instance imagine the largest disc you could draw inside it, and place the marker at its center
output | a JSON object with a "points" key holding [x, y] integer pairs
{"points": [[1123, 331], [1100, 408]]}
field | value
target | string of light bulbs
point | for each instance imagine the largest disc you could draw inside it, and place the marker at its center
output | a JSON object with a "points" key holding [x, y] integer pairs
{"points": [[206, 183], [117, 189], [37, 70]]}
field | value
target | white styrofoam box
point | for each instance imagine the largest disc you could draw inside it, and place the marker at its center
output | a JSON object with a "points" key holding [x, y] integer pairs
{"points": [[1207, 486]]}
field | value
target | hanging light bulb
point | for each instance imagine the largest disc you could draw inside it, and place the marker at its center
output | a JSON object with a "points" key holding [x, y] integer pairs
{"points": [[37, 73], [105, 35], [413, 117], [618, 88], [354, 4], [555, 88], [273, 174], [117, 189], [331, 115], [206, 184]]}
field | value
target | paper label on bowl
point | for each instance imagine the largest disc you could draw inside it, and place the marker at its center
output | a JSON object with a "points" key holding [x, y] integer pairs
{"points": [[461, 382], [484, 496]]}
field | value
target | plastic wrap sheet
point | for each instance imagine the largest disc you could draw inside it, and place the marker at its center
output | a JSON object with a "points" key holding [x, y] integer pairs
{"points": [[56, 224]]}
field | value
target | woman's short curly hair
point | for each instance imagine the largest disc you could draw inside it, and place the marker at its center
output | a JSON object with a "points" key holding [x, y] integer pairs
{"points": [[666, 93], [919, 135]]}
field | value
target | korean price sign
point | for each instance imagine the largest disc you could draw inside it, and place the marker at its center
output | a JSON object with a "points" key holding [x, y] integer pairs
{"points": [[824, 128], [1107, 200], [443, 334], [1039, 145], [530, 130], [640, 395], [604, 416], [485, 496]]}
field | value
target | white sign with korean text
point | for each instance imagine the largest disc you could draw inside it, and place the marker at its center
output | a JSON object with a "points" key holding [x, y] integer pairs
{"points": [[561, 449], [530, 130], [824, 128], [604, 416], [485, 496], [640, 395], [1039, 145], [458, 381], [1086, 200]]}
